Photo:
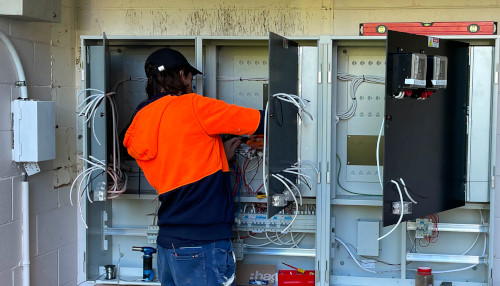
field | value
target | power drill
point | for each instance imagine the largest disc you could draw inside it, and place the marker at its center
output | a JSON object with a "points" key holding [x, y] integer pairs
{"points": [[147, 259]]}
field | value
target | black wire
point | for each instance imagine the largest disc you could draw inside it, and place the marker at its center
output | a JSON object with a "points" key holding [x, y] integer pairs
{"points": [[90, 181], [280, 124], [420, 243], [256, 171], [416, 193], [338, 182]]}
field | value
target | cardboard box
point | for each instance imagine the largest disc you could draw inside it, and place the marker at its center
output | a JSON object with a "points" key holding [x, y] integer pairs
{"points": [[259, 272]]}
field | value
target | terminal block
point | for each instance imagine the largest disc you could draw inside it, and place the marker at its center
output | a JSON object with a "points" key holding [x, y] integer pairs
{"points": [[396, 208], [258, 223]]}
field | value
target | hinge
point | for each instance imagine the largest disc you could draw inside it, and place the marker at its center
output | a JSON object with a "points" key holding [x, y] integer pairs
{"points": [[318, 272], [496, 75], [326, 272], [329, 74], [328, 172], [492, 182]]}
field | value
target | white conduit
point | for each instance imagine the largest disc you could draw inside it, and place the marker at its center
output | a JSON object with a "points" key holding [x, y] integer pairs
{"points": [[17, 63], [25, 203], [25, 263]]}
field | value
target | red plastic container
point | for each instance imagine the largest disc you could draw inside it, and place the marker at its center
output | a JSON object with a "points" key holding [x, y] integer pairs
{"points": [[292, 277]]}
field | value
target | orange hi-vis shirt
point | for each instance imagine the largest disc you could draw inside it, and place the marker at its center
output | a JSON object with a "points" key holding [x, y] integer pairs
{"points": [[176, 139]]}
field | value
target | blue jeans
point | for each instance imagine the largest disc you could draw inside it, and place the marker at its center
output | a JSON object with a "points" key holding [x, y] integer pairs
{"points": [[209, 264]]}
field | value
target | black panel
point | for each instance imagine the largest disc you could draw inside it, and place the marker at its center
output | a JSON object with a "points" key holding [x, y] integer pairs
{"points": [[282, 116], [425, 140]]}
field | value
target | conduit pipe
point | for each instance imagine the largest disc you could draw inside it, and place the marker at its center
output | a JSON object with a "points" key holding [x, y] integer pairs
{"points": [[25, 263], [21, 79], [25, 203]]}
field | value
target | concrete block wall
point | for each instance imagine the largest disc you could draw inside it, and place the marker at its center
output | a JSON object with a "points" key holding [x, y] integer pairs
{"points": [[47, 52]]}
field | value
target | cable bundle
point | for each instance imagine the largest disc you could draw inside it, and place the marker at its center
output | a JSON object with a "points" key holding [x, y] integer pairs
{"points": [[297, 101], [293, 242], [356, 81], [295, 169]]}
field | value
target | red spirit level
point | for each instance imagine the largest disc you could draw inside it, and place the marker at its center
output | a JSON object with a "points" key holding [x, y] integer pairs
{"points": [[434, 28]]}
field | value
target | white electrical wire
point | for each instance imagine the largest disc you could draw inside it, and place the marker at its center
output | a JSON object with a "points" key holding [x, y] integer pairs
{"points": [[293, 240], [406, 191], [297, 101], [299, 163], [293, 185], [458, 269], [401, 95], [356, 81], [294, 198], [264, 175], [401, 215], [354, 258], [305, 177], [377, 154]]}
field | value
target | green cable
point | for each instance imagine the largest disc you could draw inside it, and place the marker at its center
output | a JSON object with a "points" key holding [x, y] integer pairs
{"points": [[338, 182]]}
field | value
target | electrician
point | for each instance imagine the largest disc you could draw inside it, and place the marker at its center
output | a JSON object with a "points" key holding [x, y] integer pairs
{"points": [[175, 138]]}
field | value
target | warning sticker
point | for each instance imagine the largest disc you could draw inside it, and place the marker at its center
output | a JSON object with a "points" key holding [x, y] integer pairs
{"points": [[433, 42]]}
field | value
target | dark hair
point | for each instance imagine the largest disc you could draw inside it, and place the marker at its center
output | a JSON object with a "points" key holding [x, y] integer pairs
{"points": [[168, 81]]}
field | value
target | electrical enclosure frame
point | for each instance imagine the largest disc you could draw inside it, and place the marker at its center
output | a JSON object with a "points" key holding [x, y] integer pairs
{"points": [[337, 211]]}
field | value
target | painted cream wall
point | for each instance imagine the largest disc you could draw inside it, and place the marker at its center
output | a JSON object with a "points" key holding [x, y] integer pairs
{"points": [[191, 17]]}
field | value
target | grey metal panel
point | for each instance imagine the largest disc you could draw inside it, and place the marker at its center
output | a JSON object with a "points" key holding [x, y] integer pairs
{"points": [[308, 129], [479, 124], [96, 75]]}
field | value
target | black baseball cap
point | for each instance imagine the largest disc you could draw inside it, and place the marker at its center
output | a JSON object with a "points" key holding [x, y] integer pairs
{"points": [[166, 58]]}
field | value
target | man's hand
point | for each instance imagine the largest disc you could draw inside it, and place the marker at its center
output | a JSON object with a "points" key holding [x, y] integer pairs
{"points": [[230, 148]]}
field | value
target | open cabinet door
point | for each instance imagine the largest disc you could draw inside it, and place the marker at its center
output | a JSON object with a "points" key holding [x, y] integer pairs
{"points": [[282, 117], [97, 77], [425, 125]]}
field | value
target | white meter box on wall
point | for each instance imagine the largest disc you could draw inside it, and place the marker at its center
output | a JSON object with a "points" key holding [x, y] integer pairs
{"points": [[34, 131]]}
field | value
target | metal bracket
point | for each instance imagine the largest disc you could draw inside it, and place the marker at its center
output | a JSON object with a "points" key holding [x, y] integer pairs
{"points": [[19, 83]]}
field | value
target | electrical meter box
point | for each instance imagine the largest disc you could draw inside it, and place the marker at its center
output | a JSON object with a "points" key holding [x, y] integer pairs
{"points": [[410, 71], [438, 68], [34, 130]]}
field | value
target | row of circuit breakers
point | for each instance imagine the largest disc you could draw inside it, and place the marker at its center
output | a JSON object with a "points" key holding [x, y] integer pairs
{"points": [[419, 75]]}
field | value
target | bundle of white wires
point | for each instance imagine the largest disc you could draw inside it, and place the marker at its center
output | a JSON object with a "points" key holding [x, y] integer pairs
{"points": [[289, 185], [293, 242], [356, 81], [297, 101]]}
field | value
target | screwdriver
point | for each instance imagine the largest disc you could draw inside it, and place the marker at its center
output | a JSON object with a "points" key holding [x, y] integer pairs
{"points": [[300, 270]]}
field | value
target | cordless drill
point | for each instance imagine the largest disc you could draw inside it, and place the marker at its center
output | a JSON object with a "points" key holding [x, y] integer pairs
{"points": [[147, 259]]}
